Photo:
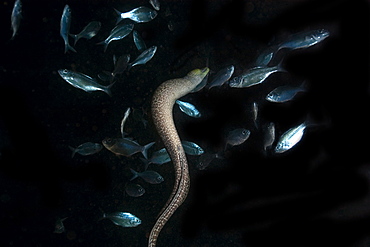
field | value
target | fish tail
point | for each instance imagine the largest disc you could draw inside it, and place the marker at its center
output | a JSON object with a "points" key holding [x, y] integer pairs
{"points": [[145, 149], [279, 66], [146, 163], [107, 89], [135, 174], [119, 18], [68, 47], [105, 44], [74, 150], [75, 38]]}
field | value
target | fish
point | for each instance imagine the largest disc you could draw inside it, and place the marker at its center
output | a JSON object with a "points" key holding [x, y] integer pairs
{"points": [[188, 109], [65, 24], [138, 41], [134, 190], [59, 226], [255, 113], [222, 76], [149, 176], [120, 66], [144, 57], [269, 137], [124, 119], [237, 137], [155, 4], [89, 31], [254, 76], [159, 157], [16, 17], [126, 147], [205, 160], [87, 148], [305, 39], [192, 148], [83, 81], [139, 15], [290, 138], [285, 93], [117, 33], [265, 57], [122, 219]]}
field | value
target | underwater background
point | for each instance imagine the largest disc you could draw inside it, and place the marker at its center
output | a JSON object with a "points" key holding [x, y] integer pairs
{"points": [[316, 194]]}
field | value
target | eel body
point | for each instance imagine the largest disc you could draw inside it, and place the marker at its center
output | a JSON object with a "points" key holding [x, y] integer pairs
{"points": [[162, 104]]}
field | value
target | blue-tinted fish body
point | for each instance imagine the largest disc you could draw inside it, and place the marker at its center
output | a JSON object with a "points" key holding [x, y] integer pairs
{"points": [[134, 190], [192, 148], [254, 76], [16, 17], [140, 14], [221, 77], [144, 57], [305, 39], [290, 138], [158, 157], [284, 93], [126, 146], [117, 33], [138, 41], [149, 176], [88, 32], [188, 109], [237, 137], [123, 219], [265, 57], [65, 24], [87, 148], [83, 81]]}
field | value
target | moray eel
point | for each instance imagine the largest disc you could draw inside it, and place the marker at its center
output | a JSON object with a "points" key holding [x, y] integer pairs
{"points": [[162, 103]]}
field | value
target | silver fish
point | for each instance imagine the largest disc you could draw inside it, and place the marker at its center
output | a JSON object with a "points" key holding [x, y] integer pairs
{"points": [[155, 4], [123, 219], [290, 138], [83, 81], [65, 24], [126, 146], [151, 177], [192, 148], [269, 136], [140, 14], [284, 93], [266, 56], [144, 57], [124, 119], [134, 190], [117, 33], [87, 148], [237, 137], [254, 76], [188, 109], [255, 113], [222, 76], [88, 32], [158, 157], [205, 160], [138, 41], [305, 39], [16, 17]]}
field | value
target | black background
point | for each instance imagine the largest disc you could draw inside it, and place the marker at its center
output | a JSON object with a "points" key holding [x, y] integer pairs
{"points": [[316, 194]]}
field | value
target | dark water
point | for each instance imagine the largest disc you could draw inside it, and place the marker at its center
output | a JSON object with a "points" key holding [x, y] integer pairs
{"points": [[314, 195]]}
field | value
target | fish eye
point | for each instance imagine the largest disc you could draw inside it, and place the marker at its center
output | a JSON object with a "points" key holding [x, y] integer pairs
{"points": [[65, 71]]}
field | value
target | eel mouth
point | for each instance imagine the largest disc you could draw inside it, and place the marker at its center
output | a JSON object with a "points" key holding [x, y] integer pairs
{"points": [[199, 72]]}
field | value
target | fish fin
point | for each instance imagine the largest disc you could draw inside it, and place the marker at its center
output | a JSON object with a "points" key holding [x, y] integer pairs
{"points": [[119, 18], [145, 149], [135, 174], [69, 47], [74, 150], [75, 38], [146, 163], [105, 44], [279, 66], [107, 89]]}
